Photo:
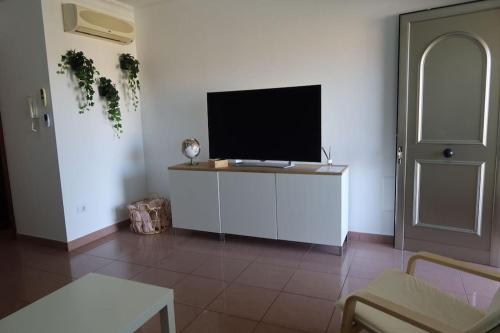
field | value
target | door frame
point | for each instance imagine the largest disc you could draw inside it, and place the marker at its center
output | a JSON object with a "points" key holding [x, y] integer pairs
{"points": [[6, 180], [402, 114]]}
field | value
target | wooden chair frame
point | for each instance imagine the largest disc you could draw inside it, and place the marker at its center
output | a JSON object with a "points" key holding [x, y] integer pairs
{"points": [[349, 324]]}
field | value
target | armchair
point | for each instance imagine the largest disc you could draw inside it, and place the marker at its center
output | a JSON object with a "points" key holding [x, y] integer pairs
{"points": [[399, 302]]}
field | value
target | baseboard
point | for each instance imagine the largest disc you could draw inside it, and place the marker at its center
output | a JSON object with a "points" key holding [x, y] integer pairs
{"points": [[92, 237], [42, 241], [452, 251], [371, 238], [76, 243]]}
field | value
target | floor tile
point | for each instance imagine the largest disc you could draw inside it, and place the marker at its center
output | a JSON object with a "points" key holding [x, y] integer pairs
{"points": [[10, 263], [369, 269], [244, 301], [267, 328], [33, 284], [221, 268], [289, 255], [206, 244], [159, 277], [113, 249], [330, 249], [160, 241], [321, 261], [335, 322], [90, 246], [184, 315], [378, 252], [126, 236], [265, 276], [163, 241], [72, 265], [198, 291], [83, 264], [20, 248], [145, 257], [212, 322], [182, 261], [123, 270], [244, 249], [300, 312], [315, 284], [291, 287], [352, 284]]}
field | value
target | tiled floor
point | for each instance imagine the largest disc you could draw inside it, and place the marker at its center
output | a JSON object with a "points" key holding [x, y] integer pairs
{"points": [[240, 285]]}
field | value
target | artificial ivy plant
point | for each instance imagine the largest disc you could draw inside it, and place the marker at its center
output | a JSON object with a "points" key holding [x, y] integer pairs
{"points": [[84, 70], [131, 65], [108, 91]]}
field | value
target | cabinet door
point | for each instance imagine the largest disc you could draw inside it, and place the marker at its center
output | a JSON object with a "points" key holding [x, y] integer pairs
{"points": [[195, 200], [248, 204], [309, 209]]}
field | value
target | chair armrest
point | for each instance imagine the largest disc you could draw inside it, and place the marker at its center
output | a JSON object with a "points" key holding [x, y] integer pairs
{"points": [[452, 263], [395, 310]]}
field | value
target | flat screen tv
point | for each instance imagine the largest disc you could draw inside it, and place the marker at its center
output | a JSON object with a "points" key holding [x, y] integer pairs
{"points": [[280, 124]]}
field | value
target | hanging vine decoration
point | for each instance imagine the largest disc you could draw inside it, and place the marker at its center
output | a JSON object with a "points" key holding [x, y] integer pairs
{"points": [[84, 70], [131, 65], [108, 91]]}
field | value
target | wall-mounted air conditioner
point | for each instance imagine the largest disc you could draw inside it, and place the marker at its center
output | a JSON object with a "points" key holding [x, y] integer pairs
{"points": [[85, 21]]}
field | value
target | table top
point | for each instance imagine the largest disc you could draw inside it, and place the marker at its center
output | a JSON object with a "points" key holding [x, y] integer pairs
{"points": [[308, 169], [93, 303]]}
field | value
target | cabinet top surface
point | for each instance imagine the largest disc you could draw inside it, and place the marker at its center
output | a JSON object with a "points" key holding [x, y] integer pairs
{"points": [[309, 169]]}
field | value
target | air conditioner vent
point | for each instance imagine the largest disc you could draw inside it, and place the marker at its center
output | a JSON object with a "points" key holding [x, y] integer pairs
{"points": [[81, 20]]}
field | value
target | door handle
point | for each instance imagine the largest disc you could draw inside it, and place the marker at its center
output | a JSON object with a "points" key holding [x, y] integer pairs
{"points": [[448, 152]]}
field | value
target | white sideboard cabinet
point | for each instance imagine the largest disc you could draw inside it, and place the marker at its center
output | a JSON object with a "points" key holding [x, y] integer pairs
{"points": [[312, 209], [306, 203], [248, 204], [196, 200]]}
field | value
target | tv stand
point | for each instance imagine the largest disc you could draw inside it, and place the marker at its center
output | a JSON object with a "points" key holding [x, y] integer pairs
{"points": [[307, 203], [264, 164]]}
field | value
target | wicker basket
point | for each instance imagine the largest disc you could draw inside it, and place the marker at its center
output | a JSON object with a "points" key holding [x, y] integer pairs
{"points": [[150, 216]]}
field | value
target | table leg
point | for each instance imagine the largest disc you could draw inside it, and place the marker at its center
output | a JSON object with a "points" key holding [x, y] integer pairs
{"points": [[167, 319]]}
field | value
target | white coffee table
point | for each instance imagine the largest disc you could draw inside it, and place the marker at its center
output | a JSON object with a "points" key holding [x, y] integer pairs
{"points": [[95, 303]]}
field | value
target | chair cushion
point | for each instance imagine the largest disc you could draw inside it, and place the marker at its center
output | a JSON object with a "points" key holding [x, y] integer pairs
{"points": [[417, 295], [491, 321]]}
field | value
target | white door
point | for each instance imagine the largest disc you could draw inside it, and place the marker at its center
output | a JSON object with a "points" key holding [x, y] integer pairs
{"points": [[448, 121]]}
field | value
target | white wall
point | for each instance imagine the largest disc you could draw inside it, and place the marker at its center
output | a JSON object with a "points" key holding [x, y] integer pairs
{"points": [[189, 47], [31, 157], [98, 170]]}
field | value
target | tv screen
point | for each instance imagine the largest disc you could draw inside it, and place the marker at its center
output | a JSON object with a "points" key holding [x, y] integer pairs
{"points": [[281, 124]]}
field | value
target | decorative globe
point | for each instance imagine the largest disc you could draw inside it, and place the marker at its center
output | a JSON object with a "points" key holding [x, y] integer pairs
{"points": [[191, 149]]}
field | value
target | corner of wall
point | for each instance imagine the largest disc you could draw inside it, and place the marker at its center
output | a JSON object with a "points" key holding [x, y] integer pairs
{"points": [[99, 172], [31, 156]]}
